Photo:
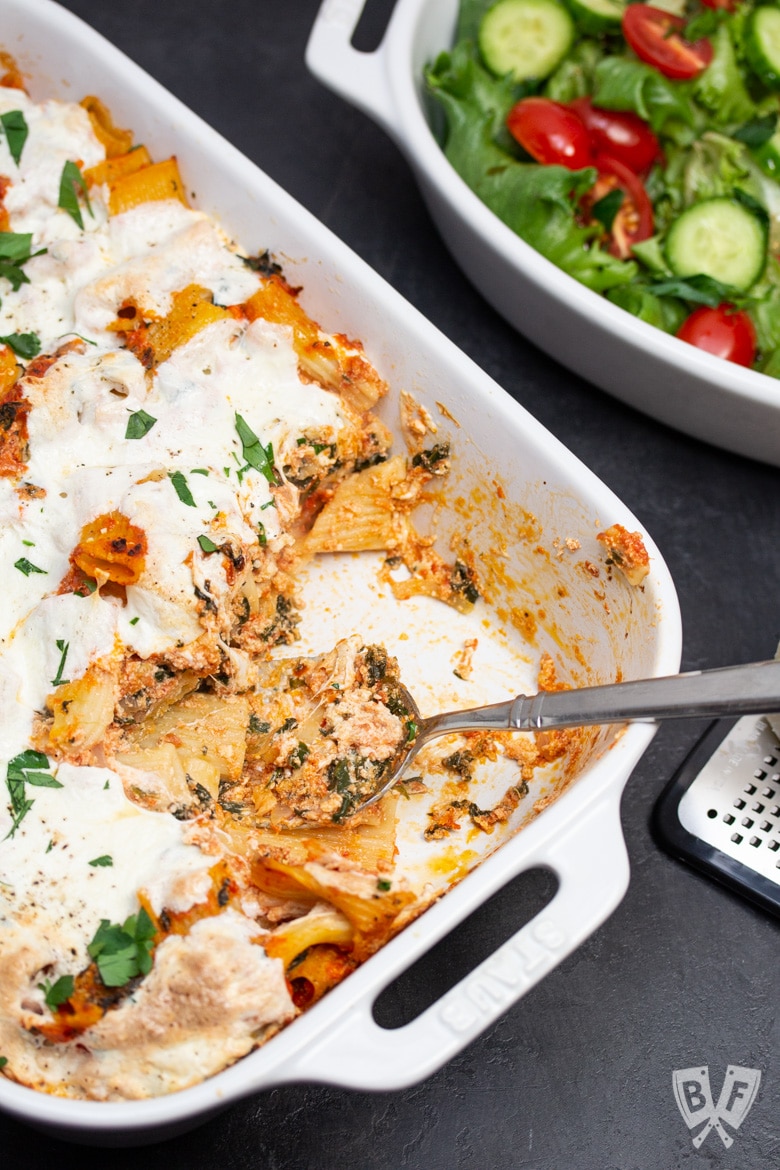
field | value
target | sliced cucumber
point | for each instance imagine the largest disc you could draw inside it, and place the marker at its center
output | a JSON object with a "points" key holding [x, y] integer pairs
{"points": [[720, 238], [597, 16], [762, 45], [527, 38]]}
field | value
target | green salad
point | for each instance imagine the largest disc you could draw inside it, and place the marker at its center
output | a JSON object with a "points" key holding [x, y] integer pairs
{"points": [[637, 147]]}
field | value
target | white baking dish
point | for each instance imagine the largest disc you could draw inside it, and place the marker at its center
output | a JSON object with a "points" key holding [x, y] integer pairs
{"points": [[500, 452], [725, 404]]}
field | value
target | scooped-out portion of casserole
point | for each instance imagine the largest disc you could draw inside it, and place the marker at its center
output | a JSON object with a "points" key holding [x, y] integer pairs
{"points": [[184, 862]]}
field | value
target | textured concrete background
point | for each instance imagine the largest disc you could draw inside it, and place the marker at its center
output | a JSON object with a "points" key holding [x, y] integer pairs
{"points": [[578, 1075]]}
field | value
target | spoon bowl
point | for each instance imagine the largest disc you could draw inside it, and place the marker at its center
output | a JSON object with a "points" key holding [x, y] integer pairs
{"points": [[753, 688]]}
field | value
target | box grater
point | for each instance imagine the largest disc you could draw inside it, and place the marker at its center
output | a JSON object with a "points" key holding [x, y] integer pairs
{"points": [[721, 812]]}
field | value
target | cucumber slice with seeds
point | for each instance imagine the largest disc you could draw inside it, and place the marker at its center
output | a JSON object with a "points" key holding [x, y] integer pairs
{"points": [[720, 238], [526, 38], [762, 45]]}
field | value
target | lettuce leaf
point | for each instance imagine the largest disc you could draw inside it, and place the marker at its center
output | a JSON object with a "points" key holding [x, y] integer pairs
{"points": [[470, 15], [765, 310], [718, 165], [667, 313], [720, 88], [623, 83], [537, 202], [574, 77]]}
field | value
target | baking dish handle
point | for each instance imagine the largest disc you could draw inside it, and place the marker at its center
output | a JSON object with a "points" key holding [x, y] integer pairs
{"points": [[591, 864], [359, 77]]}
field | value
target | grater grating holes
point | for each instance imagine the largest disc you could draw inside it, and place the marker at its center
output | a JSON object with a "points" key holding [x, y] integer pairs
{"points": [[734, 803]]}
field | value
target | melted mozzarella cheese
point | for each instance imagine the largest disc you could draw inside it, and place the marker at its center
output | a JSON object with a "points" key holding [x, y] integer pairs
{"points": [[58, 132], [211, 993], [45, 867]]}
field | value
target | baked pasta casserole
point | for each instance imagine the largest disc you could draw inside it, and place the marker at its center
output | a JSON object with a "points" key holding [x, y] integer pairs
{"points": [[184, 863]]}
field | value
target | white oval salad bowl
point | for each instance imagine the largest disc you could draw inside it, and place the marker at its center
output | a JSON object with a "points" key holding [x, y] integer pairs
{"points": [[637, 633], [714, 400]]}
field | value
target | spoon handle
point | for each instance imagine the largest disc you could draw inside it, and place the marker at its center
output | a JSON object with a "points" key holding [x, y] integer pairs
{"points": [[730, 690]]}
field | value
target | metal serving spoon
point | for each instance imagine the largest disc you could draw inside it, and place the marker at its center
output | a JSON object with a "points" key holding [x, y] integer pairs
{"points": [[730, 690]]}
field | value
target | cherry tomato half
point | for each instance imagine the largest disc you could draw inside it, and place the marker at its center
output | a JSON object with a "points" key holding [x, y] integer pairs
{"points": [[551, 132], [634, 220], [726, 332], [729, 5], [652, 34], [621, 135]]}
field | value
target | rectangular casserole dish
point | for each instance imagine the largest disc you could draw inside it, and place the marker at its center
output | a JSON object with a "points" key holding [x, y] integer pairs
{"points": [[535, 490]]}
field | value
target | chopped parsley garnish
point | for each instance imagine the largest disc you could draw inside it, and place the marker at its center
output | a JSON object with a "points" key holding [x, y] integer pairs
{"points": [[15, 126], [182, 490], [122, 952], [262, 263], [29, 767], [298, 960], [258, 726], [101, 862], [428, 459], [298, 755], [383, 884], [255, 454], [58, 680], [50, 846], [133, 621], [71, 182], [24, 345], [3, 1061], [57, 993], [462, 581], [262, 539], [199, 471], [139, 424], [89, 584], [207, 544], [27, 567], [14, 252]]}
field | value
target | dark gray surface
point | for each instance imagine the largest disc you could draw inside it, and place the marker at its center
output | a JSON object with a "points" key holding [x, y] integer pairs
{"points": [[578, 1075]]}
